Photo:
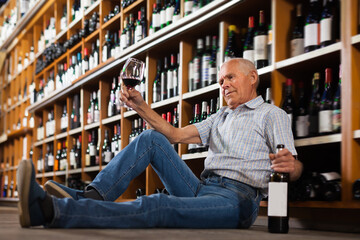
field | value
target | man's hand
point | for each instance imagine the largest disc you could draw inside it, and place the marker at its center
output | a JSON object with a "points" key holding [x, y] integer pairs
{"points": [[285, 162], [131, 97]]}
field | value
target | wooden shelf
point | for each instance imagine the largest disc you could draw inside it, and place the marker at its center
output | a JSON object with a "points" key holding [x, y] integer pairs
{"points": [[49, 139], [92, 169], [111, 119], [192, 156], [75, 22], [355, 40], [132, 6], [201, 91], [75, 131], [92, 35], [92, 125], [61, 135], [75, 171], [130, 113], [165, 102], [92, 7], [111, 21], [334, 138]]}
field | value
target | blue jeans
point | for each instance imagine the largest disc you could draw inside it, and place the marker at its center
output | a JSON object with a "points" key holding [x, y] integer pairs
{"points": [[214, 202]]}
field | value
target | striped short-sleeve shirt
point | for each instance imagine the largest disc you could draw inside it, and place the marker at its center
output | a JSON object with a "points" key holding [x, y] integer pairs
{"points": [[240, 141]]}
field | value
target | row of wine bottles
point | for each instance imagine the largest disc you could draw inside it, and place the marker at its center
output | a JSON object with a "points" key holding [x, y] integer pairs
{"points": [[319, 115], [201, 114]]}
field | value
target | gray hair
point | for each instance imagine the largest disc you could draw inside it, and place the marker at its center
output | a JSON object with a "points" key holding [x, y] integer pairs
{"points": [[245, 66]]}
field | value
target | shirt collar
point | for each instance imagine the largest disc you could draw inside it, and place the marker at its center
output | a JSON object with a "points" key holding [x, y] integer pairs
{"points": [[252, 104]]}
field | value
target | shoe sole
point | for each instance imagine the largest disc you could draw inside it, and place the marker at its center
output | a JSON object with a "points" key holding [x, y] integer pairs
{"points": [[23, 180], [56, 191]]}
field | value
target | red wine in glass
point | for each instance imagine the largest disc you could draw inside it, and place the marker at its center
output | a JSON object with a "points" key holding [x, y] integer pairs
{"points": [[131, 82]]}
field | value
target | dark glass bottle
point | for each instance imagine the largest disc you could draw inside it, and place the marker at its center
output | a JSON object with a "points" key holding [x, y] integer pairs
{"points": [[78, 153], [311, 29], [106, 149], [278, 203], [231, 50], [289, 104], [157, 84], [302, 116], [336, 107], [325, 107], [92, 149], [297, 34], [314, 106], [197, 64], [329, 23], [260, 43], [248, 51]]}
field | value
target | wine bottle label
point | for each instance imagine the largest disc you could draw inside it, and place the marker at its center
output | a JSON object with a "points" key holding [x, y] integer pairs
{"points": [[107, 156], [311, 34], [169, 13], [72, 159], [176, 18], [278, 197], [170, 81], [249, 55], [260, 47], [96, 116], [92, 150], [119, 144], [163, 17], [325, 29], [87, 160], [39, 165], [297, 47], [331, 176], [138, 33], [213, 75], [85, 66], [197, 69], [156, 20], [189, 6], [336, 120], [302, 126], [291, 117], [205, 70], [325, 121]]}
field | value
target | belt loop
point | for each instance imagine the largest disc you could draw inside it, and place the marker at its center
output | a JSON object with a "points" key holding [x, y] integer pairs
{"points": [[222, 181]]}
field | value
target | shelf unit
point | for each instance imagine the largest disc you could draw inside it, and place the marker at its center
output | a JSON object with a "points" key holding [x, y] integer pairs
{"points": [[340, 149]]}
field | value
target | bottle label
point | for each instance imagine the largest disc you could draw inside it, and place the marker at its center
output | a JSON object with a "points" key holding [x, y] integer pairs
{"points": [[96, 116], [107, 157], [188, 6], [87, 160], [50, 161], [163, 17], [311, 34], [331, 176], [249, 55], [297, 47], [302, 126], [176, 18], [325, 121], [291, 117], [72, 159], [197, 69], [278, 196], [92, 150], [169, 13], [138, 33], [325, 29], [260, 46], [205, 70], [170, 81], [156, 20], [336, 120]]}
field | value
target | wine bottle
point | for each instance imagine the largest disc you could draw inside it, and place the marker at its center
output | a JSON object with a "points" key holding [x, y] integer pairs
{"points": [[311, 29], [92, 149], [78, 153], [205, 63], [260, 43], [327, 186], [314, 106], [170, 76], [302, 116], [231, 50], [87, 154], [325, 107], [297, 34], [106, 149], [156, 16], [336, 107], [329, 23], [197, 64], [278, 206], [289, 104], [157, 84], [164, 80], [248, 51], [72, 155]]}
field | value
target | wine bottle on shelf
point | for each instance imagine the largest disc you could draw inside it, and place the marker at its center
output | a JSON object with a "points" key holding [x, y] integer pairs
{"points": [[289, 104], [114, 143], [231, 50], [314, 106], [329, 23], [325, 107], [268, 97], [297, 34], [302, 116], [197, 64], [157, 84], [164, 80], [78, 153], [98, 138], [278, 203], [170, 77], [92, 149], [106, 149], [156, 16], [205, 62], [192, 147], [163, 15], [87, 154], [58, 157], [248, 51], [85, 62], [327, 186], [176, 15], [311, 28], [260, 43], [336, 107], [170, 8], [64, 120], [72, 155]]}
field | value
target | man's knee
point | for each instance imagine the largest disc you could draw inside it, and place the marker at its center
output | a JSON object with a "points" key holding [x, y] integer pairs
{"points": [[151, 135]]}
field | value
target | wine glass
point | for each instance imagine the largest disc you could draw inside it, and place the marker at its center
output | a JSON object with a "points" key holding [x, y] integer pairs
{"points": [[132, 72]]}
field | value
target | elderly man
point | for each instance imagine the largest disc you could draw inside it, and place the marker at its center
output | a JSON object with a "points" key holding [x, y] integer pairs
{"points": [[242, 139]]}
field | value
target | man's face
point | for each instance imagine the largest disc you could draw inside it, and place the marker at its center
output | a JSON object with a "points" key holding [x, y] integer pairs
{"points": [[237, 88]]}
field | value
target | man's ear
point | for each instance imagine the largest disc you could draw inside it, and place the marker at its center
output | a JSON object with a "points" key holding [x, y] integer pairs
{"points": [[253, 77]]}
